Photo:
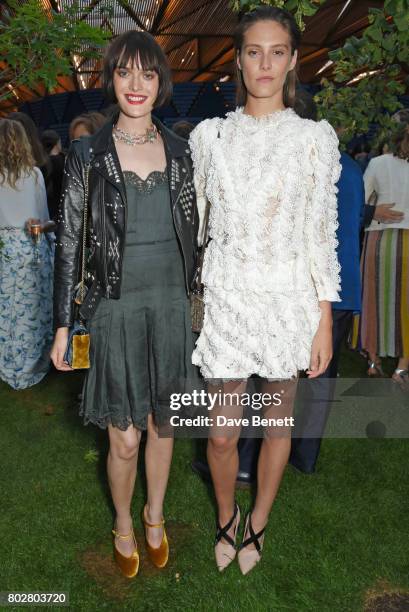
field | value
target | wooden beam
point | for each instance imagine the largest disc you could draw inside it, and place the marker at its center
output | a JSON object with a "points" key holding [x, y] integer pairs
{"points": [[94, 80], [93, 4], [125, 5], [336, 23], [213, 61], [159, 16], [54, 5], [181, 44], [189, 14]]}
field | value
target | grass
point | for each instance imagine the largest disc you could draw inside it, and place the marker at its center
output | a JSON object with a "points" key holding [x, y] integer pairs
{"points": [[335, 539]]}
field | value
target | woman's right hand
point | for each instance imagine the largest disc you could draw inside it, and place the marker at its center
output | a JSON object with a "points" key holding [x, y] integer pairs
{"points": [[384, 214], [59, 348], [29, 223]]}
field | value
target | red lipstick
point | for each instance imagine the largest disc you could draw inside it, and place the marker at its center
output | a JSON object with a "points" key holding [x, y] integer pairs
{"points": [[135, 99]]}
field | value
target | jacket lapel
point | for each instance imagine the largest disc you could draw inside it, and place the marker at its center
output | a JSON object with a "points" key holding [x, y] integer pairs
{"points": [[177, 176], [105, 159], [176, 149]]}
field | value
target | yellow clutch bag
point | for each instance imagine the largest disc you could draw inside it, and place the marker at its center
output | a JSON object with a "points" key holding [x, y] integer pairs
{"points": [[77, 353]]}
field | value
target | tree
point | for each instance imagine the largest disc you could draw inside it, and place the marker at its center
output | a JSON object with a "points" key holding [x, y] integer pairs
{"points": [[36, 46], [300, 8], [369, 74]]}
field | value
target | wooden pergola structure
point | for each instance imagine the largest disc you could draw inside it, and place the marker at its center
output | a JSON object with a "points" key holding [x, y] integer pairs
{"points": [[197, 37]]}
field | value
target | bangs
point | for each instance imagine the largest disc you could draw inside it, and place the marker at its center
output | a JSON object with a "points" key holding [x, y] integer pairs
{"points": [[134, 55], [137, 49]]}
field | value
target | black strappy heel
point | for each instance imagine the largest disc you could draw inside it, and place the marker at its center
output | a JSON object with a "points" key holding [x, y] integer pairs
{"points": [[226, 552], [248, 559]]}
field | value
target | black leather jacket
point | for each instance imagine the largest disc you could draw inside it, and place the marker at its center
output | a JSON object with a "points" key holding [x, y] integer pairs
{"points": [[107, 221]]}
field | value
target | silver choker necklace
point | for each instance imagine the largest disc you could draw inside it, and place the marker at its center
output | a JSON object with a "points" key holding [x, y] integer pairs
{"points": [[150, 135]]}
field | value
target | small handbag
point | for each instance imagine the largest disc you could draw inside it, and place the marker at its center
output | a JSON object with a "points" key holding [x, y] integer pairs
{"points": [[196, 296], [78, 344]]}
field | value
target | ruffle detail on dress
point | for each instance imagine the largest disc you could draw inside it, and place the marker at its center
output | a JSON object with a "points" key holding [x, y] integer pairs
{"points": [[272, 251], [270, 336]]}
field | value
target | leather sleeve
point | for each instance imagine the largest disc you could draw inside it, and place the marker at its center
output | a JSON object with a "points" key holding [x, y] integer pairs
{"points": [[68, 240]]}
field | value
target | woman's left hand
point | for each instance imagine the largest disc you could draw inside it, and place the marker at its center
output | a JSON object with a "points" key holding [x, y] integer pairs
{"points": [[321, 350]]}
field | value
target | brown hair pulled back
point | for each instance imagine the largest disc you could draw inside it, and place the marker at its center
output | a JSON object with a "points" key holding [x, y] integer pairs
{"points": [[287, 21]]}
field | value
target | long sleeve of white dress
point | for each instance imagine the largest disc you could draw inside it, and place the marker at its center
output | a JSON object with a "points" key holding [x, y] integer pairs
{"points": [[322, 215]]}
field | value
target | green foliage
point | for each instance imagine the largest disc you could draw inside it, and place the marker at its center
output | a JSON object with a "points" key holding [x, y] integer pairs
{"points": [[377, 58], [37, 45], [300, 8]]}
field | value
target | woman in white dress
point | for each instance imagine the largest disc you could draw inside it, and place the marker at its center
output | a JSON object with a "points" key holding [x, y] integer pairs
{"points": [[26, 268], [270, 269]]}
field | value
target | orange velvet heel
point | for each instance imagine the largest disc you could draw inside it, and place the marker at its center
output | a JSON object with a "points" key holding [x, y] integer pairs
{"points": [[160, 555], [129, 566]]}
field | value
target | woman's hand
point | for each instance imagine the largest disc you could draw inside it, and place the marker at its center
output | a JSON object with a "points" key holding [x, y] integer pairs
{"points": [[59, 348], [384, 214], [47, 226], [30, 222], [321, 349]]}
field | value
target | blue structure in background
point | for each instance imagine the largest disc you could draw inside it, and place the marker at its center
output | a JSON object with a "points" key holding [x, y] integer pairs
{"points": [[191, 102]]}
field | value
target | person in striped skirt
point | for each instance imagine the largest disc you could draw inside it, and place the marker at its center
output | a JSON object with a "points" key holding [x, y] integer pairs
{"points": [[383, 328]]}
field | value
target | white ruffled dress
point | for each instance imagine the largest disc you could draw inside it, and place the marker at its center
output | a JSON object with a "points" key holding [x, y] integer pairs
{"points": [[271, 184]]}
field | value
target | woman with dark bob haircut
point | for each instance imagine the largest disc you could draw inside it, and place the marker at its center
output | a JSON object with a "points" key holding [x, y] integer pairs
{"points": [[141, 257], [270, 268]]}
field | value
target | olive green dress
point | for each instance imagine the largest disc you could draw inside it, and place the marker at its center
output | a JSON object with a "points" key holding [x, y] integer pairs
{"points": [[141, 344]]}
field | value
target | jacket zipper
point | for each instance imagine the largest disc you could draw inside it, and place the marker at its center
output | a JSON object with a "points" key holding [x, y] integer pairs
{"points": [[104, 243], [121, 259]]}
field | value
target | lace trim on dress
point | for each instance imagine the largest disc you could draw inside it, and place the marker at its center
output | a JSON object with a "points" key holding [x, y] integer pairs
{"points": [[147, 185]]}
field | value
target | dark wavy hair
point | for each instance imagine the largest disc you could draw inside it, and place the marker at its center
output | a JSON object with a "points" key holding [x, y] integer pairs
{"points": [[287, 21], [129, 47]]}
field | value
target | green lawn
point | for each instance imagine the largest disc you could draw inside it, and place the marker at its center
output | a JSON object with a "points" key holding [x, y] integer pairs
{"points": [[334, 538]]}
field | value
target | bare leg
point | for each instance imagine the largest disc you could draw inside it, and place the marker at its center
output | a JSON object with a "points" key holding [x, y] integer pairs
{"points": [[274, 453], [122, 466], [402, 378], [158, 457], [222, 453], [377, 369], [403, 363]]}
